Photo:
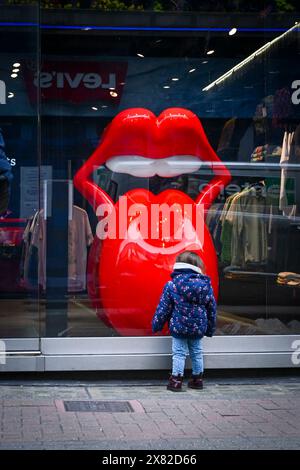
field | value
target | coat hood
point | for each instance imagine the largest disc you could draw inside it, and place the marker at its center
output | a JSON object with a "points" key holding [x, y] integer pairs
{"points": [[188, 285]]}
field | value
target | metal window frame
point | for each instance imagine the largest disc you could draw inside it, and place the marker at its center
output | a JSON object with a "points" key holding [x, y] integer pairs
{"points": [[150, 353]]}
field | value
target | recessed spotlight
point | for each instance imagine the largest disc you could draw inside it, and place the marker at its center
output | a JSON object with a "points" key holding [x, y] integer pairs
{"points": [[10, 94], [113, 94], [192, 70], [112, 88], [16, 64], [104, 106], [175, 79], [166, 86], [140, 55], [232, 31], [14, 75], [94, 108], [210, 52], [122, 83], [204, 62], [16, 70]]}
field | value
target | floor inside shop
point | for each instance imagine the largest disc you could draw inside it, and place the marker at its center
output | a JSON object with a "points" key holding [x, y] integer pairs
{"points": [[25, 318]]}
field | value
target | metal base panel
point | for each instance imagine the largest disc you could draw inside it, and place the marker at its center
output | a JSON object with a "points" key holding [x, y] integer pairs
{"points": [[159, 362], [148, 353], [22, 363]]}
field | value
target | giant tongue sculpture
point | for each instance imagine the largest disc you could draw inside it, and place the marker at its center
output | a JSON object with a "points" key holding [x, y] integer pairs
{"points": [[140, 236]]}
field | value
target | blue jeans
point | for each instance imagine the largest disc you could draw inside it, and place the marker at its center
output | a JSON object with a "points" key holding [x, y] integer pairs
{"points": [[181, 347]]}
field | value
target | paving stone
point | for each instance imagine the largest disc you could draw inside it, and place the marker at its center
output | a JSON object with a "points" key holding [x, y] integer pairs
{"points": [[112, 430], [33, 436], [226, 417], [191, 431], [123, 418]]}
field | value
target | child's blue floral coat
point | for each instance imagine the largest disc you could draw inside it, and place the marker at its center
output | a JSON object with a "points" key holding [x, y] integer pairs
{"points": [[188, 305]]}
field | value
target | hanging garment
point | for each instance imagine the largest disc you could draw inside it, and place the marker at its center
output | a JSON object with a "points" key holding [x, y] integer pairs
{"points": [[226, 232], [228, 221], [214, 224], [249, 243], [27, 254], [244, 228], [286, 184], [80, 237], [293, 174], [37, 247]]}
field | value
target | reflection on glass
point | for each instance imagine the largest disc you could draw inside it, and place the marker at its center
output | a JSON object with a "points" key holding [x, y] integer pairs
{"points": [[47, 230]]}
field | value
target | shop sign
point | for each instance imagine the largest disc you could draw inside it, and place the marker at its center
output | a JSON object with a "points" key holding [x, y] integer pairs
{"points": [[78, 82]]}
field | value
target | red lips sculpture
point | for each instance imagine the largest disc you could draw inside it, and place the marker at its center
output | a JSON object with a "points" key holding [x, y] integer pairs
{"points": [[126, 275]]}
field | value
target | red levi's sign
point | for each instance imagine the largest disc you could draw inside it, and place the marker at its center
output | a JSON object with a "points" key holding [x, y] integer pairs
{"points": [[78, 82]]}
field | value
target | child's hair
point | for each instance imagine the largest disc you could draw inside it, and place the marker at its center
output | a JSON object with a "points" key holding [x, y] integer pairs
{"points": [[191, 258]]}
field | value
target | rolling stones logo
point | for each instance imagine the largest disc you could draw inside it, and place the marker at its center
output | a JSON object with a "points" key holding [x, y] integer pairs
{"points": [[126, 273]]}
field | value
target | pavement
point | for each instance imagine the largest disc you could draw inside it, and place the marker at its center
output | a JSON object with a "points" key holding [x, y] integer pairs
{"points": [[258, 411]]}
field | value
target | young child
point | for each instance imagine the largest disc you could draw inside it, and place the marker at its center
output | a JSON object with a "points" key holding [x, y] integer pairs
{"points": [[188, 305]]}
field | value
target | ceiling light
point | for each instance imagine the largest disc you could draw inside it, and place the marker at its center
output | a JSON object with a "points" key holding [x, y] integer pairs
{"points": [[10, 94], [104, 106], [16, 64], [113, 94], [204, 62], [192, 70], [175, 79], [16, 70], [232, 31], [140, 55], [166, 86], [94, 108], [210, 52], [14, 75]]}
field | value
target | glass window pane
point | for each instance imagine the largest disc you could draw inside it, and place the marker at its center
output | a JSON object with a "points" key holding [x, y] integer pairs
{"points": [[19, 169]]}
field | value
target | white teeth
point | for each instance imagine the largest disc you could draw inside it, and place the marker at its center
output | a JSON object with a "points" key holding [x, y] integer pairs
{"points": [[147, 167]]}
